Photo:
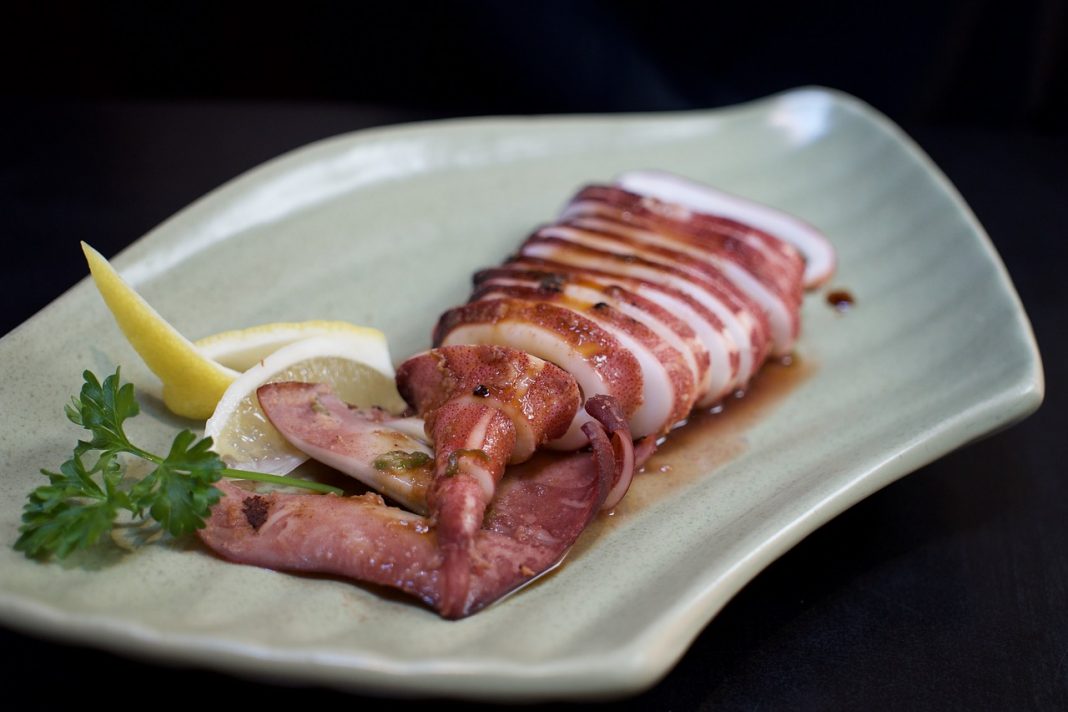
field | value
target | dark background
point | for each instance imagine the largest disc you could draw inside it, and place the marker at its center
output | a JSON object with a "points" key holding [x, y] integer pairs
{"points": [[947, 590], [990, 63]]}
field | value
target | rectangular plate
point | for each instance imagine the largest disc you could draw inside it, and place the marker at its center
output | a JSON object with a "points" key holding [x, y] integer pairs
{"points": [[384, 228]]}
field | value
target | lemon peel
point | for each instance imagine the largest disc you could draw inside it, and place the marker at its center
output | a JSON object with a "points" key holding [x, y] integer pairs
{"points": [[241, 349], [192, 382]]}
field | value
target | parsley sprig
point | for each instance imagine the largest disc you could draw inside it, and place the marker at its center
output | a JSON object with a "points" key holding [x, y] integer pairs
{"points": [[82, 500]]}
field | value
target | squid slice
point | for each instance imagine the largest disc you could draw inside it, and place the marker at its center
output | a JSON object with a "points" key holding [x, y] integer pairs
{"points": [[594, 357], [623, 452], [817, 250], [713, 345], [667, 326], [741, 288], [538, 397], [668, 390], [681, 227], [370, 445], [766, 268], [747, 326], [773, 289]]}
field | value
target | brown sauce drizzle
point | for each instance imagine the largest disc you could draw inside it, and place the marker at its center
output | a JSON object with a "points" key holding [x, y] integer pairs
{"points": [[841, 300], [711, 438]]}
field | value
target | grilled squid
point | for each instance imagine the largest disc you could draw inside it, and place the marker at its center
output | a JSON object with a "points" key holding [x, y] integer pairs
{"points": [[646, 299], [655, 303]]}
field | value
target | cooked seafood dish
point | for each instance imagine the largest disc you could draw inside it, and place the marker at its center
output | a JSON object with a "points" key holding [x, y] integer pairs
{"points": [[543, 394]]}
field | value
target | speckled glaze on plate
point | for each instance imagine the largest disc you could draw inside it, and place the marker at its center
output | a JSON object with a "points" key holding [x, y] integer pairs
{"points": [[384, 228]]}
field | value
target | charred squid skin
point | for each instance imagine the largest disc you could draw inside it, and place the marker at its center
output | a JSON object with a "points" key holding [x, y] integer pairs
{"points": [[767, 269], [711, 279]]}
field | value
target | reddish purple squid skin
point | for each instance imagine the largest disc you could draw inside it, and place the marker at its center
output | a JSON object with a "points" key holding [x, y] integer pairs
{"points": [[484, 406], [538, 512]]}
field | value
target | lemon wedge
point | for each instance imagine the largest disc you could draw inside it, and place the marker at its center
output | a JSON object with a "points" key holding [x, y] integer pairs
{"points": [[355, 362], [192, 382], [241, 349]]}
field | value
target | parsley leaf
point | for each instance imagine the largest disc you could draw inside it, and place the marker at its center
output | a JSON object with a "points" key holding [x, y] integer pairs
{"points": [[81, 501], [102, 409], [72, 511], [178, 493]]}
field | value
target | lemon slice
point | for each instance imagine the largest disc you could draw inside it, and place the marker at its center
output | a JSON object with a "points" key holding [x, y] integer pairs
{"points": [[356, 364], [241, 349], [192, 382]]}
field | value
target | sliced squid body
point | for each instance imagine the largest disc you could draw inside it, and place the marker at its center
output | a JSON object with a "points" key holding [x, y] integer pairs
{"points": [[668, 362], [719, 305], [661, 307], [820, 260], [652, 292], [592, 355], [760, 272]]}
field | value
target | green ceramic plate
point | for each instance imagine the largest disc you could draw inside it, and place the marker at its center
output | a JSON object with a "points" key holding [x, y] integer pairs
{"points": [[385, 228]]}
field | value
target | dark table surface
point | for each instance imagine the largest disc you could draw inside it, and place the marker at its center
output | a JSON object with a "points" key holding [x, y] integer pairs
{"points": [[946, 590]]}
